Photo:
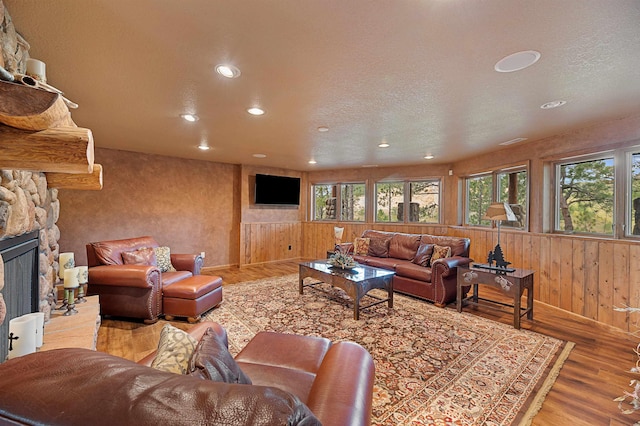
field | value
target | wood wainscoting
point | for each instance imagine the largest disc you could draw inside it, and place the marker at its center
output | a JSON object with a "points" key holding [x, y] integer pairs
{"points": [[264, 242], [582, 275]]}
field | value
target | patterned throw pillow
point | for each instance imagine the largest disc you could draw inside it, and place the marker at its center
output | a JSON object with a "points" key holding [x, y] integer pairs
{"points": [[361, 246], [440, 252], [423, 255], [174, 350], [143, 256], [211, 360], [163, 258]]}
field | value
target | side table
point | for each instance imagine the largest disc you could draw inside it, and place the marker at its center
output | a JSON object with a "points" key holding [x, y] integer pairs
{"points": [[510, 283]]}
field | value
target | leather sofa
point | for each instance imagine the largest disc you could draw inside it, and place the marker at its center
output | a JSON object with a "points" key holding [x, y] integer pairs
{"points": [[434, 281], [142, 290], [296, 380]]}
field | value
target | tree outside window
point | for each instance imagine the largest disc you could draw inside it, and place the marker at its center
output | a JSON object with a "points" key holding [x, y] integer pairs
{"points": [[479, 197], [424, 203], [324, 202], [585, 196], [512, 188], [634, 203], [388, 196], [352, 197]]}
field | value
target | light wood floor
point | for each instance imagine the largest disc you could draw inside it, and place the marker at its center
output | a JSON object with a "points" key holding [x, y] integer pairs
{"points": [[594, 374]]}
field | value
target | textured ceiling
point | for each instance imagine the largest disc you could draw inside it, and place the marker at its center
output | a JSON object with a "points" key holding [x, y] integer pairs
{"points": [[415, 73]]}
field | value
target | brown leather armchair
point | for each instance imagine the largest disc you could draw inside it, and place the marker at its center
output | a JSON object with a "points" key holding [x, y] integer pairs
{"points": [[131, 290]]}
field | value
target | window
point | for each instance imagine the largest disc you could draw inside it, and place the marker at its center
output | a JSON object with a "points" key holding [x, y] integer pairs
{"points": [[352, 196], [633, 203], [512, 188], [324, 202], [424, 201], [388, 196], [479, 196], [585, 196]]}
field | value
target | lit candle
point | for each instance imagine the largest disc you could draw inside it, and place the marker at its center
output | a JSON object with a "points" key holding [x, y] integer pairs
{"points": [[65, 260], [22, 336]]}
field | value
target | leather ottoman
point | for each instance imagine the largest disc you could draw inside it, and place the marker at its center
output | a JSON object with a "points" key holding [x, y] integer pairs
{"points": [[191, 297]]}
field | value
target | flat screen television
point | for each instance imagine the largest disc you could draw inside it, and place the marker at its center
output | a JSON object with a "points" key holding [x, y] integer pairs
{"points": [[277, 190]]}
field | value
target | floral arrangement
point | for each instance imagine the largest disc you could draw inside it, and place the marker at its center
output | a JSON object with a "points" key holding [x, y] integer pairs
{"points": [[342, 259], [630, 401]]}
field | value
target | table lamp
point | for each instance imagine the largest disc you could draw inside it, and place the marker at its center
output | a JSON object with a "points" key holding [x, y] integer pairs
{"points": [[498, 212]]}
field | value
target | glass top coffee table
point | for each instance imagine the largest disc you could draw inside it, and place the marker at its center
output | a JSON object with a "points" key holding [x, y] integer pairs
{"points": [[356, 282]]}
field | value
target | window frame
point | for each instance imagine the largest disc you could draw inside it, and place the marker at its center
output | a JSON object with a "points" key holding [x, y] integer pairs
{"points": [[337, 186], [406, 199]]}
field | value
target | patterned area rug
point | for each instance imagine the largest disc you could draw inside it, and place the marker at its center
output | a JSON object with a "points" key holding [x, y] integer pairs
{"points": [[433, 366]]}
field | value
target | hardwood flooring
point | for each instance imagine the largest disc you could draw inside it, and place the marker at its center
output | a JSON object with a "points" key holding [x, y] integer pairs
{"points": [[595, 373]]}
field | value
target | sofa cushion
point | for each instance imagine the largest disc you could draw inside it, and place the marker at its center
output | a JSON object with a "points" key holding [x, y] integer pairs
{"points": [[440, 252], [143, 256], [107, 254], [169, 278], [383, 262], [423, 255], [379, 247], [404, 246], [163, 256], [361, 246], [211, 360], [411, 270], [174, 350]]}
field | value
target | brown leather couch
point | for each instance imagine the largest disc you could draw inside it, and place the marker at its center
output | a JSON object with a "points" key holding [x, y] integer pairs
{"points": [[397, 252], [136, 291], [297, 380]]}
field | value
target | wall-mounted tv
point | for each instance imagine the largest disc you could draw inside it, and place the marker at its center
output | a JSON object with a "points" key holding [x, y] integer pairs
{"points": [[278, 190]]}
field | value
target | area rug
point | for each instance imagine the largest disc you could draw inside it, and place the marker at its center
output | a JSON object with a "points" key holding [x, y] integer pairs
{"points": [[434, 366]]}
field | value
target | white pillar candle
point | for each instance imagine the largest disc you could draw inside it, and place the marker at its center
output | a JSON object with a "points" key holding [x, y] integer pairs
{"points": [[83, 274], [22, 331], [37, 70], [65, 260], [71, 278], [39, 316]]}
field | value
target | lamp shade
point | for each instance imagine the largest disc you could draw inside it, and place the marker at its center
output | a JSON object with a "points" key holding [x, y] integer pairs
{"points": [[499, 211], [66, 261], [71, 278]]}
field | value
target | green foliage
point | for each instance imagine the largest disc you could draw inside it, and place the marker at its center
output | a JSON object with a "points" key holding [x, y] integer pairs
{"points": [[388, 195], [479, 197]]}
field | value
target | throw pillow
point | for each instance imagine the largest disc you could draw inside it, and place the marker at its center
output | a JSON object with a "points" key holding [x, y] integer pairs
{"points": [[143, 256], [106, 254], [361, 246], [379, 247], [174, 350], [440, 252], [211, 360], [163, 259], [423, 255]]}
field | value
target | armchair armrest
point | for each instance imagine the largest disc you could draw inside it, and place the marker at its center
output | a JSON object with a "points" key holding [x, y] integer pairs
{"points": [[342, 392], [141, 276], [187, 262]]}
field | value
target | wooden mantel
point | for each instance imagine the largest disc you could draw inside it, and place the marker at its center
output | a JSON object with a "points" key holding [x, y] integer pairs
{"points": [[38, 134]]}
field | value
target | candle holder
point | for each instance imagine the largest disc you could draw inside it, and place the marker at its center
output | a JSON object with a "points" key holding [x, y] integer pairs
{"points": [[83, 278], [70, 285], [71, 304]]}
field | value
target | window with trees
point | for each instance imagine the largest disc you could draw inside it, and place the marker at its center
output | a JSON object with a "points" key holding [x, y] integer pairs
{"points": [[585, 196], [505, 185], [422, 197], [633, 203], [324, 202], [352, 196]]}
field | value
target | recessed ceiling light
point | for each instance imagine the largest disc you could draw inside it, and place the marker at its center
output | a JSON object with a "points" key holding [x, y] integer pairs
{"points": [[255, 111], [228, 71], [428, 157], [323, 129], [190, 117], [512, 141], [383, 144], [312, 161], [517, 61], [260, 155], [553, 104], [204, 147]]}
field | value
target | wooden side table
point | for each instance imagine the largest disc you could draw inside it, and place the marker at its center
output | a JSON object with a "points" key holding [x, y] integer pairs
{"points": [[510, 283]]}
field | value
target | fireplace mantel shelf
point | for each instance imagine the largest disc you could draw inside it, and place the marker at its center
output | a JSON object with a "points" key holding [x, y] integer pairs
{"points": [[74, 331], [38, 134]]}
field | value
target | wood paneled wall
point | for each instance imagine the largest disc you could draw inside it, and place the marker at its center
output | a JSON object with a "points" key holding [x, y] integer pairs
{"points": [[585, 276], [270, 242]]}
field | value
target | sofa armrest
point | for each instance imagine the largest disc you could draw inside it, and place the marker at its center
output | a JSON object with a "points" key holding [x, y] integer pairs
{"points": [[342, 392], [141, 276], [187, 262], [444, 267], [196, 332]]}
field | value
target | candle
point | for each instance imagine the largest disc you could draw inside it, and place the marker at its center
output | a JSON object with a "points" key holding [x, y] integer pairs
{"points": [[71, 278], [37, 70], [22, 335], [65, 260], [39, 316], [83, 274]]}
